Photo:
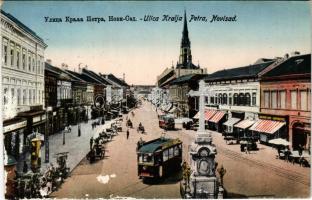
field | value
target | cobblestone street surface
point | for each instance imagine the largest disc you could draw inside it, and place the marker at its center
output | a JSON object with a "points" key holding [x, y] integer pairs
{"points": [[258, 174]]}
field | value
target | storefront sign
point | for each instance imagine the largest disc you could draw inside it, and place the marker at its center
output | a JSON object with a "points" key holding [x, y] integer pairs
{"points": [[36, 119], [283, 119], [13, 127]]}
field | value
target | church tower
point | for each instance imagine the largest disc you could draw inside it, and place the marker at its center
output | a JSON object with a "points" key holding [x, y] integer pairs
{"points": [[185, 60]]}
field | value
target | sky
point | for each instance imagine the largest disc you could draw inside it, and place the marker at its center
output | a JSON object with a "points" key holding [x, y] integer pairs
{"points": [[143, 49]]}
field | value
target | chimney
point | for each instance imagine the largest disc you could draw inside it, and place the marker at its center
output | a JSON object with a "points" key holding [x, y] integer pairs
{"points": [[49, 61], [79, 69], [123, 76], [286, 56], [64, 66], [295, 53]]}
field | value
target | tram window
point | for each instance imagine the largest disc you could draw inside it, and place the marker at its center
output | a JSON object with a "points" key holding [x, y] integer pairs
{"points": [[147, 158], [140, 158], [170, 152], [176, 151], [165, 155]]}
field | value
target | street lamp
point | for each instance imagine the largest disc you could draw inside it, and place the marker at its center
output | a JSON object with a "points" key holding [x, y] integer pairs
{"points": [[46, 137]]}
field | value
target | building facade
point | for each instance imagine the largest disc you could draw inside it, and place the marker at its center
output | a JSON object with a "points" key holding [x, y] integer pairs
{"points": [[286, 94], [22, 78]]}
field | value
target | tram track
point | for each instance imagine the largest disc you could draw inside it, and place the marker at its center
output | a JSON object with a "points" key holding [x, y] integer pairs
{"points": [[299, 178]]}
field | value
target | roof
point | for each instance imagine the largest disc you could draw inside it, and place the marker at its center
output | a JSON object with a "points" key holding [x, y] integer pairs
{"points": [[92, 75], [60, 73], [296, 65], [22, 26], [160, 143], [74, 75], [117, 80], [238, 72], [187, 78]]}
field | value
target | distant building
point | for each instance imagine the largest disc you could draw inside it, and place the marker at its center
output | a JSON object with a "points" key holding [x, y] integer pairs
{"points": [[185, 64], [142, 90]]}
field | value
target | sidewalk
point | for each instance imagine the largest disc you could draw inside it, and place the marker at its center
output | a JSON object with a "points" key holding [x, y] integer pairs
{"points": [[77, 147]]}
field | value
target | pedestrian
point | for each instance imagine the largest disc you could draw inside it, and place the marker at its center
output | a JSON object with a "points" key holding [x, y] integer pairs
{"points": [[300, 149], [246, 149], [127, 134], [91, 143]]}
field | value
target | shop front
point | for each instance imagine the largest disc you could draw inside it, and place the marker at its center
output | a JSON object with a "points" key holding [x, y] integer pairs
{"points": [[215, 123], [301, 135], [15, 139], [270, 127]]}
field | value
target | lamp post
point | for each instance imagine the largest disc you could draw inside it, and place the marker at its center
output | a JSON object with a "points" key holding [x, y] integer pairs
{"points": [[46, 137]]}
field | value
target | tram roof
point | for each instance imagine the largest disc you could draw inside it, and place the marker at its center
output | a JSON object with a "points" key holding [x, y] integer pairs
{"points": [[160, 143]]}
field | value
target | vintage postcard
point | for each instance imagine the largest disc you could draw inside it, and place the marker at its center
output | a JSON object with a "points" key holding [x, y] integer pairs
{"points": [[155, 100]]}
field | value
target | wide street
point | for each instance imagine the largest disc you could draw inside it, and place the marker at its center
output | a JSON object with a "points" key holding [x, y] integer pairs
{"points": [[258, 174]]}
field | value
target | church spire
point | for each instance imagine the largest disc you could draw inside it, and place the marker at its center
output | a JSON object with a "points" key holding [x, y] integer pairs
{"points": [[185, 59], [185, 38]]}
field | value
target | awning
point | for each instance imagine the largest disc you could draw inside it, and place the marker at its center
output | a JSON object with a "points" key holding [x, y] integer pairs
{"points": [[172, 110], [169, 107], [267, 126], [217, 117], [244, 124], [208, 114], [231, 121]]}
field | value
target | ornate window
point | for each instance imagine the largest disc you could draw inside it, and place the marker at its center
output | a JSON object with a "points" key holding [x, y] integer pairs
{"points": [[18, 54], [247, 98], [224, 98], [5, 51], [235, 98], [220, 99], [241, 99], [254, 98], [18, 96], [230, 99], [12, 53], [24, 59], [24, 97]]}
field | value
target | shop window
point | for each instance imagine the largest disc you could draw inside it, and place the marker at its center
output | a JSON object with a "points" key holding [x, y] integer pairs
{"points": [[303, 99], [176, 151], [293, 97], [254, 99], [212, 100]]}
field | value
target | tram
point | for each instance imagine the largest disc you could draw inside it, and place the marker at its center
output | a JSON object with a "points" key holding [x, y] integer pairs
{"points": [[166, 122], [158, 158]]}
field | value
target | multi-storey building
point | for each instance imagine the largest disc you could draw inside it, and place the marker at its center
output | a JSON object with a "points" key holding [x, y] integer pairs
{"points": [[22, 78], [236, 94], [286, 101]]}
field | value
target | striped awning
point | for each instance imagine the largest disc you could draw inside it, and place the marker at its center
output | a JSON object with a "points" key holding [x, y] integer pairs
{"points": [[217, 117], [231, 121], [244, 124], [208, 114], [267, 126]]}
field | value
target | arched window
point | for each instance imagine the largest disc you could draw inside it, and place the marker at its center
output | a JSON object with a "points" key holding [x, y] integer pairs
{"points": [[224, 98], [241, 99], [220, 99], [247, 99], [235, 99]]}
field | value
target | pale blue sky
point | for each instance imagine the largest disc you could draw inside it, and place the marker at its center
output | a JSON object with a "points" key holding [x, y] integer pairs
{"points": [[145, 49]]}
